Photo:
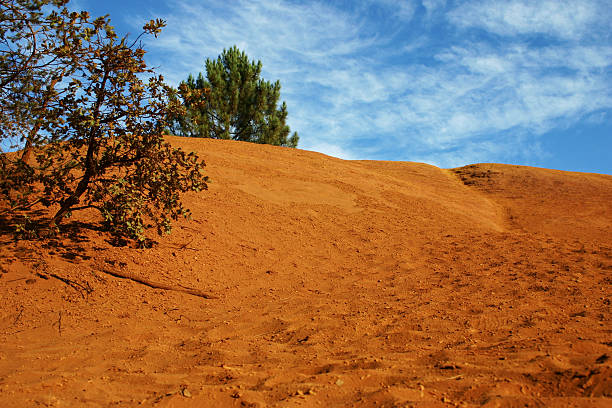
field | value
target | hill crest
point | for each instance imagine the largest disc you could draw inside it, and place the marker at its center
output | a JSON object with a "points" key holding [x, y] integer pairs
{"points": [[335, 282]]}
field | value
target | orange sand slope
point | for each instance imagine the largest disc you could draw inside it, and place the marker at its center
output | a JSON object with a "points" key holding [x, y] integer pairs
{"points": [[333, 283]]}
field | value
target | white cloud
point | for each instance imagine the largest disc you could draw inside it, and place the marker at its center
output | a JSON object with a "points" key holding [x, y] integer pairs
{"points": [[514, 147], [403, 9], [433, 5], [280, 33], [354, 92], [330, 150], [597, 118], [566, 19]]}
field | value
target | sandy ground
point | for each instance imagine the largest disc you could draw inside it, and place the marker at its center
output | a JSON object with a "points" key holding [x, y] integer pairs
{"points": [[334, 283]]}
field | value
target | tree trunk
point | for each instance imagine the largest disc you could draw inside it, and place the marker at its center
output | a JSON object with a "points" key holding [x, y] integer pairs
{"points": [[27, 150], [90, 163], [73, 200]]}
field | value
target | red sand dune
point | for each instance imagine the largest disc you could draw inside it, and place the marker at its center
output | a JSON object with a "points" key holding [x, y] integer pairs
{"points": [[333, 283]]}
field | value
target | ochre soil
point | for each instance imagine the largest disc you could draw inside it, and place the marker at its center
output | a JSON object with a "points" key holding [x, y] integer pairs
{"points": [[333, 283]]}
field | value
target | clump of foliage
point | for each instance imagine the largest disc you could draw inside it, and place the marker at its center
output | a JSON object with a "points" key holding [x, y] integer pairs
{"points": [[235, 104], [89, 115]]}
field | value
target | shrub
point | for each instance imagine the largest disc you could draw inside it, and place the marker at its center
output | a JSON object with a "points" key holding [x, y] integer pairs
{"points": [[90, 116]]}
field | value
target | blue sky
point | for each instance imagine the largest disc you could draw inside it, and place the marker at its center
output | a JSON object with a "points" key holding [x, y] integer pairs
{"points": [[438, 81]]}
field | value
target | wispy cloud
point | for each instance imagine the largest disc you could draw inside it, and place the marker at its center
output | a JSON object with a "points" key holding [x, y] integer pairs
{"points": [[433, 5], [403, 10], [565, 19], [409, 80]]}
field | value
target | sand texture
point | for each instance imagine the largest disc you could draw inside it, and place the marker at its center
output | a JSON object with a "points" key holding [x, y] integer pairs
{"points": [[306, 280]]}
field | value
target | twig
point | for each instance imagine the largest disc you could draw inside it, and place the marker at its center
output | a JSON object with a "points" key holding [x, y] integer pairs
{"points": [[59, 323], [155, 285], [167, 313], [160, 397], [18, 316], [187, 243], [186, 246], [20, 207], [79, 287]]}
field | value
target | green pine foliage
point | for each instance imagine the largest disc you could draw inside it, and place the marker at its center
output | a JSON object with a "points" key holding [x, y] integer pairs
{"points": [[89, 116], [233, 102]]}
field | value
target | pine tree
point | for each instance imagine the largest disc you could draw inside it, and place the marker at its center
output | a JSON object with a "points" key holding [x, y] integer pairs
{"points": [[235, 103]]}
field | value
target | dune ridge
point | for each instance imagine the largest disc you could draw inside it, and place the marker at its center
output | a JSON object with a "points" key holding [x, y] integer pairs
{"points": [[337, 283]]}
